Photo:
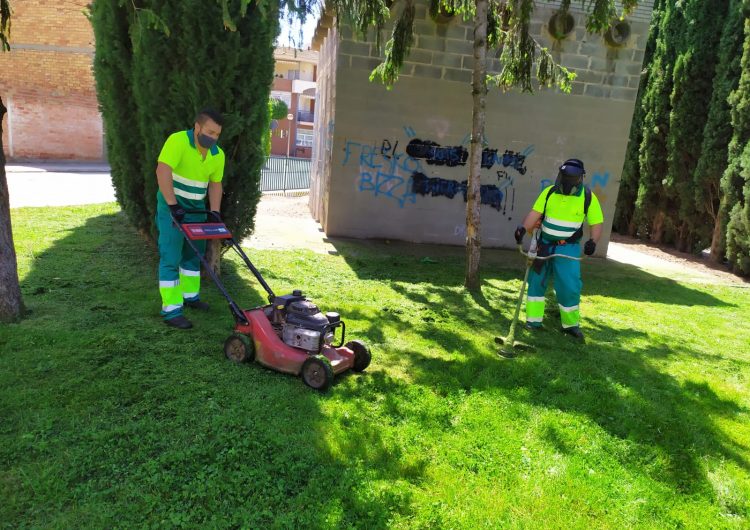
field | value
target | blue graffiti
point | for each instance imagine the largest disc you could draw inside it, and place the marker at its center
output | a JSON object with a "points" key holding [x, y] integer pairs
{"points": [[600, 179], [379, 170], [388, 185]]}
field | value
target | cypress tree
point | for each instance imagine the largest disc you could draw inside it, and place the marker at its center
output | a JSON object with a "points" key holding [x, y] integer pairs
{"points": [[710, 201], [652, 202], [626, 197], [112, 66], [157, 65], [736, 179], [693, 76]]}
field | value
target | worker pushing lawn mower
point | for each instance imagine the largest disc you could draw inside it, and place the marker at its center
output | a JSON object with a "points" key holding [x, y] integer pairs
{"points": [[556, 224], [290, 334]]}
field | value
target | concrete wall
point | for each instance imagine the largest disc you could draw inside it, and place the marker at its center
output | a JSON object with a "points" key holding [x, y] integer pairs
{"points": [[325, 119], [46, 81], [371, 187]]}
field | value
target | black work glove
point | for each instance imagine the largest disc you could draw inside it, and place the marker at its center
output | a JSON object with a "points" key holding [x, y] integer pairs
{"points": [[178, 212], [519, 233], [589, 247], [216, 217]]}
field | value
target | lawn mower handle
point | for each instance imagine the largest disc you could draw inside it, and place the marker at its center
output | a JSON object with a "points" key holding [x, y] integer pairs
{"points": [[238, 249], [238, 314]]}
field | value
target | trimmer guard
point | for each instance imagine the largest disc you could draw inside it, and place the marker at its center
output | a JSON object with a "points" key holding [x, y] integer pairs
{"points": [[197, 231]]}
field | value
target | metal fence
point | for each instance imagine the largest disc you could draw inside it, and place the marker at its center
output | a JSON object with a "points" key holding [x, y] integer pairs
{"points": [[282, 173]]}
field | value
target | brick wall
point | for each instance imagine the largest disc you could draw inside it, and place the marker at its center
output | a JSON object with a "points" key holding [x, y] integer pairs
{"points": [[46, 81]]}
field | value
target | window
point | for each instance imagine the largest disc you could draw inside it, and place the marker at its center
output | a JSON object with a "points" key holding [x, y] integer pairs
{"points": [[304, 139]]}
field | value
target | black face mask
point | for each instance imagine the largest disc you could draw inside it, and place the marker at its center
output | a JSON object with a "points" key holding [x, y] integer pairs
{"points": [[569, 179], [206, 141]]}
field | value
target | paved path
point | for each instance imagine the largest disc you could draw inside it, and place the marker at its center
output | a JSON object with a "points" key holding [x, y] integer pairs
{"points": [[59, 184]]}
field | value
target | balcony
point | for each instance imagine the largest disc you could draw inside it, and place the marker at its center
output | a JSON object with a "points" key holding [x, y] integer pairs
{"points": [[304, 87], [306, 116]]}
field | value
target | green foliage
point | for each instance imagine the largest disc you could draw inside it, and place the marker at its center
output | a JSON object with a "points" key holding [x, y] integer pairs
{"points": [[277, 109], [631, 175], [693, 78], [157, 63], [736, 180], [112, 420], [508, 30], [397, 48], [652, 201], [519, 52], [694, 107], [718, 131]]}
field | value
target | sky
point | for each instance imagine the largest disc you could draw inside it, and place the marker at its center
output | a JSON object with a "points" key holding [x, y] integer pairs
{"points": [[308, 29]]}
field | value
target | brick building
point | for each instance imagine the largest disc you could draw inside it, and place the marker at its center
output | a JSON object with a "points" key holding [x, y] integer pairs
{"points": [[393, 164], [295, 76], [47, 84]]}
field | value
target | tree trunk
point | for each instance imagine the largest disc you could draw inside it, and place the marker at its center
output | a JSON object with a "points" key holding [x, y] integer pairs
{"points": [[717, 241], [473, 196], [657, 230], [11, 304], [213, 256]]}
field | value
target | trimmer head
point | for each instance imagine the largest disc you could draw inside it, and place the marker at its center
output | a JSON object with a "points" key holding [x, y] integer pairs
{"points": [[511, 349]]}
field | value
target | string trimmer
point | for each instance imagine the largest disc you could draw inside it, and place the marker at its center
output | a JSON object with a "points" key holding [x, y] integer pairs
{"points": [[509, 344]]}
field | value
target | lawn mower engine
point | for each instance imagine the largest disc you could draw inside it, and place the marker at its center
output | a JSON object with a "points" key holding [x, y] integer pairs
{"points": [[299, 323]]}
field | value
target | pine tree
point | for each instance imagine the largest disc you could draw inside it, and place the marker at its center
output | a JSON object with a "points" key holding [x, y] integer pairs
{"points": [[710, 202], [695, 64], [157, 64], [736, 179]]}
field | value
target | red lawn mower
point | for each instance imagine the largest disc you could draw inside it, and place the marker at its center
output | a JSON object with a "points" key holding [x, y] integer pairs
{"points": [[290, 334]]}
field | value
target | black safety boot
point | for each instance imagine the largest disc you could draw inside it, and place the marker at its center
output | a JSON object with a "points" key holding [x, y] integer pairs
{"points": [[197, 304], [533, 326], [574, 332], [179, 322]]}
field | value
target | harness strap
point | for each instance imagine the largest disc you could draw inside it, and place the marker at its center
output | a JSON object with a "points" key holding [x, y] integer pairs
{"points": [[578, 234]]}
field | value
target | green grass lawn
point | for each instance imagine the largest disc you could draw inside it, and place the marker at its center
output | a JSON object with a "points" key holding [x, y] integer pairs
{"points": [[110, 419]]}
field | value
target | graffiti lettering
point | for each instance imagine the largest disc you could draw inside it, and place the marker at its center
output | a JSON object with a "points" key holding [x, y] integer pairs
{"points": [[435, 154], [490, 194], [600, 180], [387, 150], [388, 185], [379, 170], [385, 172]]}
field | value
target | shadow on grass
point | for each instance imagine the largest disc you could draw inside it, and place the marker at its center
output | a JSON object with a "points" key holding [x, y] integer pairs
{"points": [[625, 282], [141, 424], [668, 423]]}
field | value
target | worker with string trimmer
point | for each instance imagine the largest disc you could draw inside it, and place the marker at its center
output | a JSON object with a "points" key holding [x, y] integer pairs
{"points": [[560, 211]]}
